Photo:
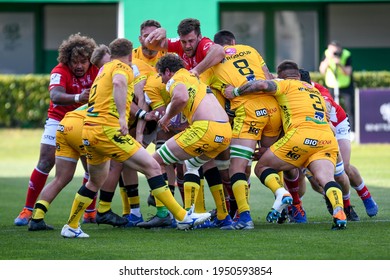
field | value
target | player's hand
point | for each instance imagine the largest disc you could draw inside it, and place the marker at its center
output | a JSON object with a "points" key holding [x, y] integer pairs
{"points": [[124, 129], [156, 36], [164, 123], [229, 92], [152, 116], [194, 72], [84, 95]]}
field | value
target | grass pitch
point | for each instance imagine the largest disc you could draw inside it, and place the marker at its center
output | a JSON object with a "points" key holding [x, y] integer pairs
{"points": [[364, 240]]}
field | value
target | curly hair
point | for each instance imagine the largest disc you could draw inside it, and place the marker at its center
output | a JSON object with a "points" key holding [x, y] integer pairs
{"points": [[74, 47]]}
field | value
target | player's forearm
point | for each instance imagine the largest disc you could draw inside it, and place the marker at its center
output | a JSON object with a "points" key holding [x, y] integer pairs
{"points": [[214, 56]]}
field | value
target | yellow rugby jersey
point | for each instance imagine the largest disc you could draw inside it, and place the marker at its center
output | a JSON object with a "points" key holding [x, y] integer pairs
{"points": [[101, 105], [300, 104], [156, 91], [242, 63], [141, 70], [196, 90], [137, 53]]}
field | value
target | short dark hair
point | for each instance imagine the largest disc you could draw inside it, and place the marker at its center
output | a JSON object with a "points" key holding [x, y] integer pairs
{"points": [[150, 22], [305, 75], [224, 37], [335, 43], [170, 61], [287, 69], [120, 47], [188, 25]]}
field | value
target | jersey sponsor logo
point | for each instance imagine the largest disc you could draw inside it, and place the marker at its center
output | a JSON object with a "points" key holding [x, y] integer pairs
{"points": [[49, 137], [60, 128], [292, 155], [310, 142], [253, 129], [230, 51], [237, 55], [55, 79], [261, 112], [219, 139], [86, 142], [250, 77], [207, 45], [201, 150], [319, 116]]}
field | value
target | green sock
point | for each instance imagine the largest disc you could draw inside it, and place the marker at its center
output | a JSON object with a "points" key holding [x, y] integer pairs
{"points": [[162, 212]]}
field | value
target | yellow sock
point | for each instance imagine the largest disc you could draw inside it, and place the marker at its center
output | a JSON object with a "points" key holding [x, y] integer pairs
{"points": [[103, 206], [80, 203], [273, 182], [125, 201], [241, 193], [158, 202], [281, 176], [220, 202], [335, 197], [134, 201], [200, 205], [39, 213], [165, 196], [191, 190]]}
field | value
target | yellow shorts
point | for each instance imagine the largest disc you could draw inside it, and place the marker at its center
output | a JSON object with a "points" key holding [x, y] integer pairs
{"points": [[68, 138], [104, 142], [301, 146], [205, 137], [256, 117]]}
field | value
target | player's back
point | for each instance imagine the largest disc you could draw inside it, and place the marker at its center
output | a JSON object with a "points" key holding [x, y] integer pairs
{"points": [[101, 104], [300, 103]]}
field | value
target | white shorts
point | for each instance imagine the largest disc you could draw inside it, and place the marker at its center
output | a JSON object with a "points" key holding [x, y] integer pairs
{"points": [[343, 130], [49, 134]]}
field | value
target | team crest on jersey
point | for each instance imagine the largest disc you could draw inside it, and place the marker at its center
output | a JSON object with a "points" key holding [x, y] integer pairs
{"points": [[55, 79], [230, 51]]}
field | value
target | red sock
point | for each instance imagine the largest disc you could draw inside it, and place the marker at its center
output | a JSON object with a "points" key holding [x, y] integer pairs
{"points": [[364, 193], [92, 206], [35, 186], [347, 203], [293, 188], [85, 179]]}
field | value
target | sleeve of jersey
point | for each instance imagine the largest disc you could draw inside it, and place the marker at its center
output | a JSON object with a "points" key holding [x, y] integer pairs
{"points": [[155, 97], [204, 46], [119, 69], [58, 77]]}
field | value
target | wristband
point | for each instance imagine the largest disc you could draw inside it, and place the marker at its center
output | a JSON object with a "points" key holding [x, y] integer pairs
{"points": [[140, 114], [77, 98], [235, 92]]}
